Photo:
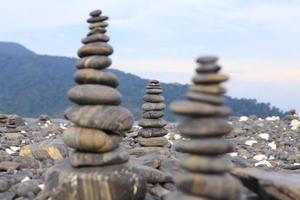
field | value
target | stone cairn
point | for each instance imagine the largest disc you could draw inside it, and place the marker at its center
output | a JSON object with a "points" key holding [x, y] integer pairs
{"points": [[204, 125], [97, 169], [153, 124], [3, 120]]}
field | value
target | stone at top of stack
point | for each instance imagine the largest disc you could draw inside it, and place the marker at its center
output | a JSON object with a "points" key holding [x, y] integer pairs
{"points": [[205, 123], [98, 118], [152, 122]]}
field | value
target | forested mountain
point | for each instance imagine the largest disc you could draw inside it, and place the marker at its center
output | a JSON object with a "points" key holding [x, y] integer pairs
{"points": [[32, 84]]}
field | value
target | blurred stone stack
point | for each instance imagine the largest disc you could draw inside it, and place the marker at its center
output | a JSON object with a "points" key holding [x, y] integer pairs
{"points": [[98, 163], [43, 119], [3, 120], [203, 127], [152, 122]]}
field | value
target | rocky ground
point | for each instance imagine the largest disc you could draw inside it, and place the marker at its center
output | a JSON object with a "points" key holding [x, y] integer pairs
{"points": [[32, 146]]}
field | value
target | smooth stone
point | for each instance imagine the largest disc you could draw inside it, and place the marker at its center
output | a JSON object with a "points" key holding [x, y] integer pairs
{"points": [[89, 94], [154, 91], [152, 123], [90, 140], [198, 109], [154, 81], [114, 182], [205, 164], [210, 186], [154, 87], [8, 165], [208, 68], [210, 78], [92, 76], [204, 146], [95, 13], [207, 59], [98, 24], [94, 62], [153, 106], [95, 38], [153, 141], [97, 48], [97, 19], [152, 175], [81, 159], [204, 127], [209, 89], [153, 98], [153, 132], [141, 151], [152, 114], [111, 118], [207, 98], [97, 30], [182, 196]]}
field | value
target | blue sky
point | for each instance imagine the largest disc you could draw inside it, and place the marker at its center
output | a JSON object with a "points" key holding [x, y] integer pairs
{"points": [[257, 40]]}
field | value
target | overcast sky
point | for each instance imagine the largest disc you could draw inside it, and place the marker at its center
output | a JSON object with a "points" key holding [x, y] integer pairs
{"points": [[258, 41]]}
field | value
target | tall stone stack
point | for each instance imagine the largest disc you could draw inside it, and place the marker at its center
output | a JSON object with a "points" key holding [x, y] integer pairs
{"points": [[204, 125], [152, 122], [97, 167]]}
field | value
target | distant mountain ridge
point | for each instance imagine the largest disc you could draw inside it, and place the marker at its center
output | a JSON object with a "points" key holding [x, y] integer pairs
{"points": [[33, 84]]}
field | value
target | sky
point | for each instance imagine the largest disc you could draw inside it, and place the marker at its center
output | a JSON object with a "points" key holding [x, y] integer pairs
{"points": [[257, 41]]}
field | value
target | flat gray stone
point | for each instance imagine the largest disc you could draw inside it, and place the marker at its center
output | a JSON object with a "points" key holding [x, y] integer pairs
{"points": [[153, 141], [208, 89], [208, 68], [92, 76], [152, 114], [84, 159], [153, 132], [210, 78], [198, 109], [89, 94], [153, 98], [97, 30], [98, 24], [111, 118], [207, 59], [152, 123], [152, 175], [154, 91], [153, 106], [207, 98], [97, 48], [95, 38], [94, 62], [97, 19], [95, 13]]}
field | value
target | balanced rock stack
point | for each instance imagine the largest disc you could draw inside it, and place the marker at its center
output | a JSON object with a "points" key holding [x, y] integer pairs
{"points": [[3, 120], [152, 122], [98, 163], [203, 127]]}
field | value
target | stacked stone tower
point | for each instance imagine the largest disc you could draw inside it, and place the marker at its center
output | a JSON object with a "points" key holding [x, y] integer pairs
{"points": [[152, 122], [203, 127], [97, 167]]}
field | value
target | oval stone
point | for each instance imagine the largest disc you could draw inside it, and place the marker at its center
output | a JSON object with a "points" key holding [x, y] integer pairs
{"points": [[204, 127], [204, 146], [92, 76], [153, 132], [95, 38], [152, 114], [110, 118], [152, 123], [209, 89], [208, 68], [210, 78], [153, 98], [97, 48], [94, 62], [91, 140], [89, 94], [95, 13], [205, 164], [207, 59], [97, 30], [198, 109], [98, 24], [154, 91], [154, 87], [153, 142], [154, 81], [95, 19], [206, 98], [153, 106]]}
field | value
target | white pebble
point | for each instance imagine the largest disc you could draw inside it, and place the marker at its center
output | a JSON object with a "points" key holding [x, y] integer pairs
{"points": [[264, 136], [14, 148], [233, 154], [243, 119], [177, 136], [271, 158], [273, 118], [250, 142], [296, 164], [62, 126], [9, 151], [295, 124], [23, 131], [272, 145], [260, 157], [41, 186], [263, 162], [25, 179]]}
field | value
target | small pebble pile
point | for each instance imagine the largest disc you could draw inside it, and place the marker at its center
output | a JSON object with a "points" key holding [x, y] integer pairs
{"points": [[152, 122], [98, 161], [204, 125]]}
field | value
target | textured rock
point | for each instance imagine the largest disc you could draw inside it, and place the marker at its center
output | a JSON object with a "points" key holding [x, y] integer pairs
{"points": [[97, 48], [111, 118], [94, 62], [152, 114], [8, 165], [97, 19], [154, 141], [153, 175], [92, 76], [153, 106], [153, 132], [153, 98], [116, 182], [91, 140], [209, 78], [97, 37], [89, 94], [152, 123]]}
